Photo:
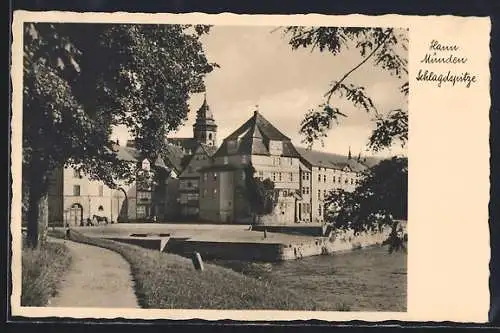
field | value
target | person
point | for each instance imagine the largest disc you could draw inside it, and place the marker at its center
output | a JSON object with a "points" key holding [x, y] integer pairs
{"points": [[67, 233]]}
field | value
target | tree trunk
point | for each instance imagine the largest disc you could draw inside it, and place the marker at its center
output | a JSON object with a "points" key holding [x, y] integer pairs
{"points": [[37, 214]]}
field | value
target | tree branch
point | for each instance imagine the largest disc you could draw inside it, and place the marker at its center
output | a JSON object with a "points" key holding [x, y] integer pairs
{"points": [[337, 84]]}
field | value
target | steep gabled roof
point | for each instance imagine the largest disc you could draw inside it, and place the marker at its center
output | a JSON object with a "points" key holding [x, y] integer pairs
{"points": [[329, 160], [131, 154], [252, 138], [174, 156], [189, 144]]}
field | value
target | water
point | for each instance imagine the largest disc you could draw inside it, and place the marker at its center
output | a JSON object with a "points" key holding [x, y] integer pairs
{"points": [[362, 280]]}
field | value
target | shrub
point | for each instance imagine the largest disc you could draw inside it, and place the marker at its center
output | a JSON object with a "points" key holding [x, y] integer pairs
{"points": [[41, 272]]}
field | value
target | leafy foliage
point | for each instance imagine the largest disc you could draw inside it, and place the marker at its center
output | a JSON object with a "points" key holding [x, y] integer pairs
{"points": [[261, 194], [383, 47], [379, 200], [81, 79]]}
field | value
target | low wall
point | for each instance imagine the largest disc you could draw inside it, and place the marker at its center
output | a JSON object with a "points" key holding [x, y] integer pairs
{"points": [[337, 242], [314, 230]]}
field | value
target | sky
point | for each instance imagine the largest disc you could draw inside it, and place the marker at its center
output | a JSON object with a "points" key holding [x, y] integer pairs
{"points": [[259, 68]]}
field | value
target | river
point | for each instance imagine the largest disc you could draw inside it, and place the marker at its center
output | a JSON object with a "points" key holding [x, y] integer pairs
{"points": [[362, 280]]}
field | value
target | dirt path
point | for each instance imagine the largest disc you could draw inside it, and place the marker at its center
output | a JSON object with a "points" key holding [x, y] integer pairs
{"points": [[97, 277]]}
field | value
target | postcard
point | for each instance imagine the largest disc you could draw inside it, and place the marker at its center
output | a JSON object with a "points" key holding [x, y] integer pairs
{"points": [[250, 167]]}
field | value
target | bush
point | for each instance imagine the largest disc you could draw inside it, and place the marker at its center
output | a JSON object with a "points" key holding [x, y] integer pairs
{"points": [[168, 281], [42, 270]]}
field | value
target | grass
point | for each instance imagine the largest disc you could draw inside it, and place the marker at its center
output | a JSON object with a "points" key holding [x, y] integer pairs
{"points": [[41, 272], [168, 281]]}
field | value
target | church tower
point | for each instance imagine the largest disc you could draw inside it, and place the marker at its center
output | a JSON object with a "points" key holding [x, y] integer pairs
{"points": [[205, 129]]}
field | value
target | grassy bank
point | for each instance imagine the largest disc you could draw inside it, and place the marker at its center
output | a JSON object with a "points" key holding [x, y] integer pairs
{"points": [[167, 281], [42, 270]]}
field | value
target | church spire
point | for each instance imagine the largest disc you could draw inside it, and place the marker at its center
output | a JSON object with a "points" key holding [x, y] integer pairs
{"points": [[204, 128], [350, 155]]}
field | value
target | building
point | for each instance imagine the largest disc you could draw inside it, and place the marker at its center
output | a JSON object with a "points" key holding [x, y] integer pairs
{"points": [[320, 173], [73, 198], [198, 152], [271, 153], [302, 177], [189, 181]]}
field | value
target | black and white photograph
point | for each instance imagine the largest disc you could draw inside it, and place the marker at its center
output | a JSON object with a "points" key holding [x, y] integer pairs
{"points": [[214, 167]]}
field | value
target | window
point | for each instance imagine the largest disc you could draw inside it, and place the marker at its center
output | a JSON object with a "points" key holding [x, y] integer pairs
{"points": [[244, 159], [209, 136], [76, 190], [303, 176], [279, 176], [319, 210], [76, 174], [352, 181], [319, 178], [205, 176], [261, 174], [303, 190], [324, 193], [333, 179], [346, 180], [226, 160], [324, 178], [204, 192], [189, 184], [215, 175], [291, 160], [285, 193], [307, 190], [274, 176], [214, 192], [319, 194], [291, 176], [143, 196], [101, 190], [141, 211]]}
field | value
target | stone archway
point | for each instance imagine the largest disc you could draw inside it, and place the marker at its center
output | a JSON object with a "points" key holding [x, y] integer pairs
{"points": [[75, 214]]}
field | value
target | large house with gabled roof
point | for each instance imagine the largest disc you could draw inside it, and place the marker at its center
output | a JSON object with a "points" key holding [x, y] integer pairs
{"points": [[302, 177]]}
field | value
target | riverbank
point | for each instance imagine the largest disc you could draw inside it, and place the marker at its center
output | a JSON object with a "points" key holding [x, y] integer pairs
{"points": [[168, 281]]}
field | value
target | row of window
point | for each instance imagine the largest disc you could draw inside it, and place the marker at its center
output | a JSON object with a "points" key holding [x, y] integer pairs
{"points": [[204, 193], [277, 161], [338, 180], [278, 176]]}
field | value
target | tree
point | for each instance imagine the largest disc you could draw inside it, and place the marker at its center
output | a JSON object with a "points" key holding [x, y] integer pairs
{"points": [[81, 79], [385, 48], [260, 194], [379, 200]]}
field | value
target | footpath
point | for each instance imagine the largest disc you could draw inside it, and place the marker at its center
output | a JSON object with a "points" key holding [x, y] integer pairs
{"points": [[97, 277]]}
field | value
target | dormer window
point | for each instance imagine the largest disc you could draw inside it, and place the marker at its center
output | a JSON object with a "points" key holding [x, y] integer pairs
{"points": [[275, 147]]}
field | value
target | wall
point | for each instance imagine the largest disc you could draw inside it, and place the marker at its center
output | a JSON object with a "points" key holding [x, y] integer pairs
{"points": [[209, 201]]}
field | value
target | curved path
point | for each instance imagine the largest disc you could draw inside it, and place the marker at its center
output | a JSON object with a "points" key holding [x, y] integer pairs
{"points": [[97, 277]]}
